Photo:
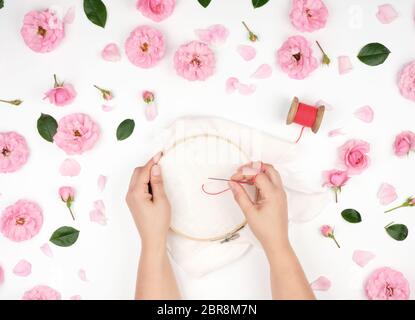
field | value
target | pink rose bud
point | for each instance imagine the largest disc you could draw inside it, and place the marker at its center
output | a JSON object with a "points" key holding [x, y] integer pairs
{"points": [[404, 143], [336, 179], [328, 232], [106, 94], [67, 195], [61, 94], [148, 96], [412, 202]]}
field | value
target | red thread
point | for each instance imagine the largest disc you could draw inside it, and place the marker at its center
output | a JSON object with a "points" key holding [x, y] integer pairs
{"points": [[251, 182], [301, 134]]}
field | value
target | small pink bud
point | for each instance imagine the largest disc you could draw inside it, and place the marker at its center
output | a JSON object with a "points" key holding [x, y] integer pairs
{"points": [[67, 193], [107, 95], [148, 96], [326, 230], [412, 202]]}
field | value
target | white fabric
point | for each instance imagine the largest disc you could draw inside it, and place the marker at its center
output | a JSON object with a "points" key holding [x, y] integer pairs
{"points": [[188, 165]]}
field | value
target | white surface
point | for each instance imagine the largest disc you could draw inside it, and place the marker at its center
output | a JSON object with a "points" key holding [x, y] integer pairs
{"points": [[109, 254]]}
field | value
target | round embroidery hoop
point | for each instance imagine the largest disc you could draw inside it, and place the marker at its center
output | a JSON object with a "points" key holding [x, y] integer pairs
{"points": [[233, 232]]}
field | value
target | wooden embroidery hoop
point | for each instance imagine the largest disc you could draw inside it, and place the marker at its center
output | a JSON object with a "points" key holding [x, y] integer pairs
{"points": [[231, 234]]}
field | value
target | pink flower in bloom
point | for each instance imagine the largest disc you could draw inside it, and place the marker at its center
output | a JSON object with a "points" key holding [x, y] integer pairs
{"points": [[335, 179], [42, 31], [194, 61], [156, 10], [295, 58], [328, 232], [404, 143], [61, 94], [308, 15], [145, 46], [21, 221], [42, 293], [14, 152], [406, 81], [76, 133], [354, 155], [387, 284]]}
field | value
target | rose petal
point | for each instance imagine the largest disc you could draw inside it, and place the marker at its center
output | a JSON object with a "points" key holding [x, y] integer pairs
{"points": [[362, 258], [336, 132], [386, 194], [321, 284], [1, 275], [231, 84], [82, 275], [106, 108], [70, 168], [345, 64], [386, 13], [23, 268], [47, 250], [245, 89], [365, 114], [264, 71], [99, 205], [102, 181], [111, 53], [246, 52], [76, 297], [69, 15], [98, 217], [215, 35]]}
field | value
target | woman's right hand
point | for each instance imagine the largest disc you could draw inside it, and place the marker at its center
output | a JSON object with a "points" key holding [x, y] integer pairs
{"points": [[267, 215]]}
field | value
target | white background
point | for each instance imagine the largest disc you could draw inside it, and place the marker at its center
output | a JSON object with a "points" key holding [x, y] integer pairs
{"points": [[109, 254]]}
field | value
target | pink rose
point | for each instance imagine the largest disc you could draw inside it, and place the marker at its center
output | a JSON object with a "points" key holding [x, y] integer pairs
{"points": [[326, 231], [61, 94], [42, 293], [194, 61], [67, 193], [335, 178], [156, 10], [21, 221], [295, 58], [14, 152], [308, 15], [387, 284], [76, 133], [42, 31], [145, 46], [354, 155], [148, 96], [406, 81], [404, 143]]}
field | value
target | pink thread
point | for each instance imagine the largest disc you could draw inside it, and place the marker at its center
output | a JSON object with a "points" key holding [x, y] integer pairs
{"points": [[251, 182]]}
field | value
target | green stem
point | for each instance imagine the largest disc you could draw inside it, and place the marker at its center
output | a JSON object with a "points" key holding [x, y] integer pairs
{"points": [[335, 193], [334, 238], [320, 48], [70, 210], [56, 81], [402, 205], [13, 102], [389, 224], [246, 27]]}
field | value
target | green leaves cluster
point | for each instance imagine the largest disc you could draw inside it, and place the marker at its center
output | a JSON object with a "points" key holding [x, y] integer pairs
{"points": [[255, 3]]}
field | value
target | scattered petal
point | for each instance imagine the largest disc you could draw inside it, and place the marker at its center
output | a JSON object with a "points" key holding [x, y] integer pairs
{"points": [[1, 275], [245, 89], [47, 250], [98, 217], [386, 194], [23, 268], [111, 53], [76, 297], [386, 13], [264, 71], [321, 284], [246, 52], [231, 84], [336, 132], [106, 108], [362, 258], [70, 168], [151, 111], [365, 114], [215, 35], [345, 64], [82, 275], [69, 15], [99, 205], [102, 181]]}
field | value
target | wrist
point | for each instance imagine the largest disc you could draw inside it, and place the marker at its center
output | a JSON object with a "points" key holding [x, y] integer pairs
{"points": [[278, 249], [153, 246]]}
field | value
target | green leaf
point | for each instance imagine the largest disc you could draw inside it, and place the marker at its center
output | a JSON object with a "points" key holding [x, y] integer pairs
{"points": [[351, 215], [47, 126], [125, 129], [64, 236], [398, 232], [373, 54], [1, 4], [204, 3], [259, 3], [96, 12]]}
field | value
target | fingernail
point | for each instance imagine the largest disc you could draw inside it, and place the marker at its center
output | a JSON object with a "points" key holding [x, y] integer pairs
{"points": [[157, 157], [155, 170]]}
